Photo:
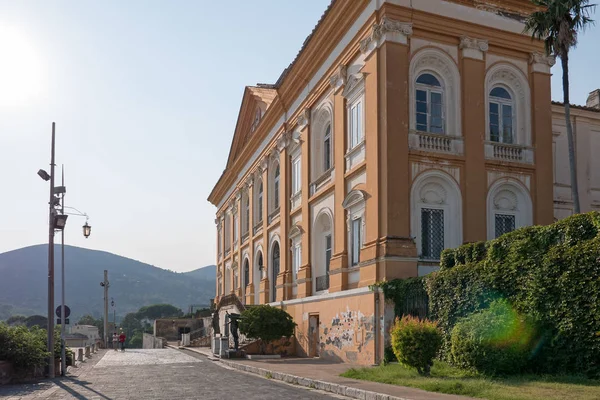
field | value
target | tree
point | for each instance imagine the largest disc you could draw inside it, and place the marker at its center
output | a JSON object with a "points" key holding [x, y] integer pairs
{"points": [[36, 320], [558, 24], [157, 311], [266, 323], [16, 320]]}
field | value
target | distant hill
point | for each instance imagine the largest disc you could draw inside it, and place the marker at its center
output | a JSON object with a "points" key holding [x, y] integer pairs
{"points": [[133, 284], [208, 273]]}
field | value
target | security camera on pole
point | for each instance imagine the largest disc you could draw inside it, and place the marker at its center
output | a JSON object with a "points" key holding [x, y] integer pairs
{"points": [[57, 220]]}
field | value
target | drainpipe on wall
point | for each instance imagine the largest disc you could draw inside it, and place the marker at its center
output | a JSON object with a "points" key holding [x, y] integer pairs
{"points": [[376, 325]]}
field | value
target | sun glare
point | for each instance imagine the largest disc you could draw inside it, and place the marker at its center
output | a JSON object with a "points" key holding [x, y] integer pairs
{"points": [[20, 69]]}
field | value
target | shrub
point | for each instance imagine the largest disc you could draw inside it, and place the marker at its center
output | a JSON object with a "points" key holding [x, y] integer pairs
{"points": [[266, 323], [549, 273], [493, 341], [22, 347], [388, 355], [416, 343]]}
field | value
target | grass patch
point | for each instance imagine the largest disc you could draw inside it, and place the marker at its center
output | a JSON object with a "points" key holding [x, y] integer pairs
{"points": [[447, 379]]}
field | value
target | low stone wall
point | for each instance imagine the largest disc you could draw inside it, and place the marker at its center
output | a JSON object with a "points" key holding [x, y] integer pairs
{"points": [[170, 328], [152, 342], [284, 347]]}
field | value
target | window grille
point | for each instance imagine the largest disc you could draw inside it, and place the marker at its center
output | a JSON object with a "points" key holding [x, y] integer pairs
{"points": [[432, 233], [504, 223]]}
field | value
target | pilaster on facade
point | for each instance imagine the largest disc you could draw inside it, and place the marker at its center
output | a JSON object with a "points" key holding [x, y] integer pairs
{"points": [[473, 48], [386, 30], [541, 62]]}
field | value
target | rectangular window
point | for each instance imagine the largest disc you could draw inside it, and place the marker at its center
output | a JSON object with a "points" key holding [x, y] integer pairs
{"points": [[507, 124], [327, 154], [296, 175], [235, 229], [356, 124], [356, 240], [432, 233], [297, 258], [276, 193], [422, 110], [247, 215], [235, 281], [219, 245], [260, 206], [436, 118], [327, 252], [494, 122], [504, 223]]}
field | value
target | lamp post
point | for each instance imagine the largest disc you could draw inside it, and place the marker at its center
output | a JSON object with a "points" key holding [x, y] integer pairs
{"points": [[87, 230], [112, 303], [56, 221]]}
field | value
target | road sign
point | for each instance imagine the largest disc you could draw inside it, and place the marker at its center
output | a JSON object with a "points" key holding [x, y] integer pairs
{"points": [[58, 321], [67, 311]]}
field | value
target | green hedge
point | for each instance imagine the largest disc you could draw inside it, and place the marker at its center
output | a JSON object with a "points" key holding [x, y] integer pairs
{"points": [[409, 296], [551, 274]]}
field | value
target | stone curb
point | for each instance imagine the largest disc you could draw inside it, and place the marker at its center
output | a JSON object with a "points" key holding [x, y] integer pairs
{"points": [[312, 383]]}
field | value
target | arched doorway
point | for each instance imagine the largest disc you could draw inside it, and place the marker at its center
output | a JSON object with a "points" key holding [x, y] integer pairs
{"points": [[275, 270], [258, 267]]}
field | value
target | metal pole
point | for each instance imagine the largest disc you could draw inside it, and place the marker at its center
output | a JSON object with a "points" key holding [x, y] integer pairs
{"points": [[50, 347], [106, 309], [63, 317]]}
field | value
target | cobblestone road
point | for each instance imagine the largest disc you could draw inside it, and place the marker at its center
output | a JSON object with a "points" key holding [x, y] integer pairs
{"points": [[156, 374]]}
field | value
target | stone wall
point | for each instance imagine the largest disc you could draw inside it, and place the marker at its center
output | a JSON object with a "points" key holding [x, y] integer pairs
{"points": [[169, 328], [152, 342]]}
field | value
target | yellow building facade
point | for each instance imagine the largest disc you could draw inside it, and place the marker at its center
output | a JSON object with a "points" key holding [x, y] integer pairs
{"points": [[401, 128]]}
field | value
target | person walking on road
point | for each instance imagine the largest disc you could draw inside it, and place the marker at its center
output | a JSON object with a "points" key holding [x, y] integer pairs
{"points": [[115, 341], [122, 340]]}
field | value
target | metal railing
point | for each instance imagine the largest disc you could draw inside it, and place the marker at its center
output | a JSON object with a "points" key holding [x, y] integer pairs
{"points": [[322, 282]]}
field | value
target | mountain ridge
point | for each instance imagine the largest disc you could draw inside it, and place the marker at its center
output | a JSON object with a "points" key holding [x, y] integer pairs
{"points": [[133, 284]]}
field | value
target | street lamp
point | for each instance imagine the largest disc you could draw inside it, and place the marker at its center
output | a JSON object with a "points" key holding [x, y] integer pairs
{"points": [[87, 230]]}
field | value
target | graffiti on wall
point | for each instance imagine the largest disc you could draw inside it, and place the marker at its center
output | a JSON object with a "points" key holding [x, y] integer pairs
{"points": [[347, 335]]}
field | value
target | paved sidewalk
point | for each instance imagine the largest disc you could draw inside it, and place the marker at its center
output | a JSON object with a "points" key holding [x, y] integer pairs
{"points": [[325, 375]]}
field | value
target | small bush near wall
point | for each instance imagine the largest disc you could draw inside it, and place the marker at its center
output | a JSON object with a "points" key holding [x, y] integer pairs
{"points": [[24, 348], [416, 343], [548, 273], [266, 323], [494, 341]]}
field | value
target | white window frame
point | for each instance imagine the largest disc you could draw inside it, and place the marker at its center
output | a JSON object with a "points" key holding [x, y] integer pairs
{"points": [[356, 137], [260, 194], [353, 250], [296, 257], [296, 174], [522, 208], [501, 103], [327, 155], [235, 228], [246, 215], [429, 90], [276, 187]]}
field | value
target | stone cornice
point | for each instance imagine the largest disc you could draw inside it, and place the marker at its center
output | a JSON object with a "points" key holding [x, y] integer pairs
{"points": [[473, 47], [338, 79], [387, 29], [541, 62]]}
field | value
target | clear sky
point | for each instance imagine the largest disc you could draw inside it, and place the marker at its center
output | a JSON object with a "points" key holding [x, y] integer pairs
{"points": [[145, 94]]}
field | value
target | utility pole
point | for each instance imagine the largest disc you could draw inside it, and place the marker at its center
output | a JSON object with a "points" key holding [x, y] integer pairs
{"points": [[105, 284], [63, 315], [50, 347]]}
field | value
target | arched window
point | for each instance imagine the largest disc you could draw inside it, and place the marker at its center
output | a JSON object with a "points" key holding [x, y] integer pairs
{"points": [[275, 270], [436, 214], [276, 188], [246, 273], [509, 208], [501, 116], [429, 104], [508, 104], [327, 149], [322, 249], [256, 275]]}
